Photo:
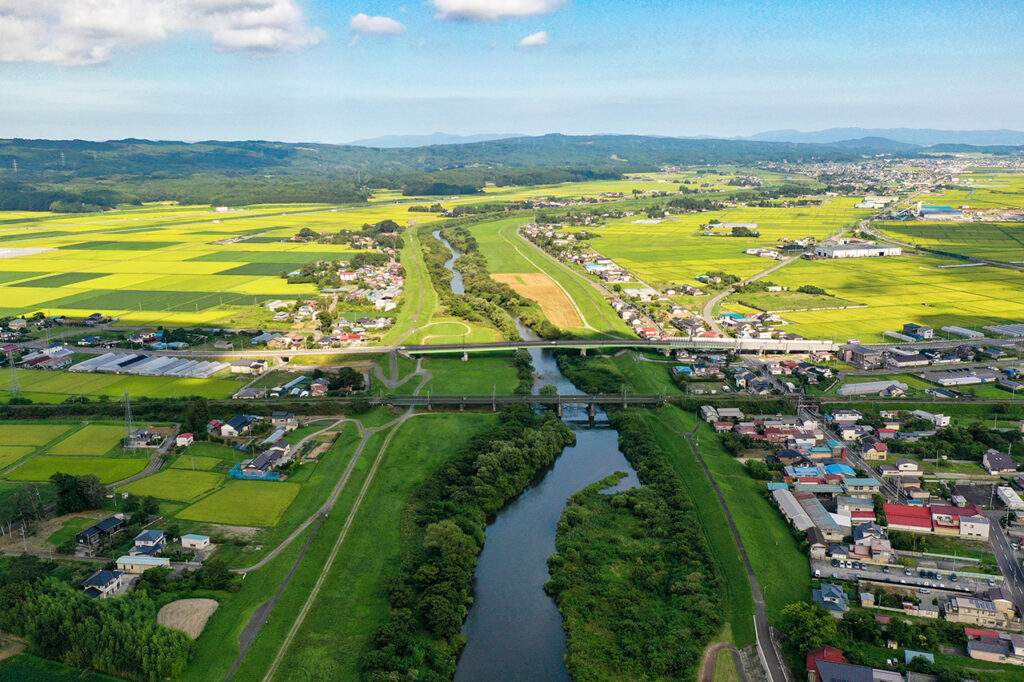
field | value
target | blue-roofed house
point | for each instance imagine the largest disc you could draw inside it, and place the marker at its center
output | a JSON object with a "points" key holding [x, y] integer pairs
{"points": [[102, 584], [148, 543], [98, 532], [833, 598], [840, 469], [777, 485]]}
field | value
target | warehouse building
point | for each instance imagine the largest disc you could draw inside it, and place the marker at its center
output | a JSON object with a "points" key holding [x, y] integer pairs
{"points": [[831, 249]]}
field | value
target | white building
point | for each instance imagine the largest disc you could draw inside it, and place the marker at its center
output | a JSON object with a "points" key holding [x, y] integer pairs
{"points": [[830, 249], [869, 387], [1010, 498], [193, 541]]}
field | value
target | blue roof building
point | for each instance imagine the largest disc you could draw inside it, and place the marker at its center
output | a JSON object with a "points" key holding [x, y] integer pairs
{"points": [[833, 598]]}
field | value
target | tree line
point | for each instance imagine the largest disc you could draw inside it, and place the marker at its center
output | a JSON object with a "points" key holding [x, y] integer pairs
{"points": [[443, 533]]}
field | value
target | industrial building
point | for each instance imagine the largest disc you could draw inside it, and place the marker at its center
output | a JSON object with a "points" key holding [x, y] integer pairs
{"points": [[831, 249]]}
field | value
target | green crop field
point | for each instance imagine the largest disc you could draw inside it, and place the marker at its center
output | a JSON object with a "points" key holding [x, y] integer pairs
{"points": [[903, 289], [244, 503], [192, 462], [30, 434], [12, 453], [994, 241], [106, 468], [56, 387], [164, 265], [94, 439], [177, 485], [204, 449]]}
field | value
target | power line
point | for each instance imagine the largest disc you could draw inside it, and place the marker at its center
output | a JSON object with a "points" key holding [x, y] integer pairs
{"points": [[14, 387], [129, 424]]}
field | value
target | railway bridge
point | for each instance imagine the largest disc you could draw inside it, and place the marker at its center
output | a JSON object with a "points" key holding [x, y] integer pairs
{"points": [[558, 400]]}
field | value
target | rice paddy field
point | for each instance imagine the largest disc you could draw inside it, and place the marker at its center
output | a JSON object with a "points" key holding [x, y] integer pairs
{"points": [[244, 503], [177, 485], [981, 189], [107, 469], [56, 387], [903, 289], [675, 250], [163, 264], [992, 241]]}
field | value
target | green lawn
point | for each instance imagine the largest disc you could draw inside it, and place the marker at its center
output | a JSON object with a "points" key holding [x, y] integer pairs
{"points": [[480, 375], [667, 423], [94, 439], [70, 528], [781, 568], [328, 647], [244, 503], [176, 484], [108, 469], [28, 668], [216, 450], [30, 434], [193, 463]]}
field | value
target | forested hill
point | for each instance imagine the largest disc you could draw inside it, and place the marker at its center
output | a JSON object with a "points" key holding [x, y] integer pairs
{"points": [[78, 158]]}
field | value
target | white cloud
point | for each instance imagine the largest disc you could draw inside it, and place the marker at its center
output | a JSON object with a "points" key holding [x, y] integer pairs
{"points": [[489, 10], [539, 39], [362, 23], [80, 32]]}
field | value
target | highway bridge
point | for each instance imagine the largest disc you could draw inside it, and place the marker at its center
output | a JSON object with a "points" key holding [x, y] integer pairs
{"points": [[495, 401]]}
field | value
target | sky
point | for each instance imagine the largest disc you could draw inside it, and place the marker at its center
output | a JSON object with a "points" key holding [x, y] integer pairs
{"points": [[333, 71]]}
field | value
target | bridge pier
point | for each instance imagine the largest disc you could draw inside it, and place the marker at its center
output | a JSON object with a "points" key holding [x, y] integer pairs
{"points": [[583, 351], [465, 356], [558, 409], [667, 352], [591, 413], [462, 405]]}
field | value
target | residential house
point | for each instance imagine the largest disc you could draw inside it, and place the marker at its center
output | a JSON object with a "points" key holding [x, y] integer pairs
{"points": [[183, 440], [239, 425], [874, 450], [249, 366], [982, 613], [913, 518], [998, 463], [908, 467], [103, 584], [833, 598], [99, 532], [149, 542], [861, 487], [283, 420]]}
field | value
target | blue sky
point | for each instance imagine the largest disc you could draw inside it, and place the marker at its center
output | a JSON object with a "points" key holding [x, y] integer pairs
{"points": [[306, 70]]}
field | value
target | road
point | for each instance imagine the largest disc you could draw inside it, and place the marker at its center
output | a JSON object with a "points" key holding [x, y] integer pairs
{"points": [[898, 578], [770, 656], [1007, 559], [708, 311]]}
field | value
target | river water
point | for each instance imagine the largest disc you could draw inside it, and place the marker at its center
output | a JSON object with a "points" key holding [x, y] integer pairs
{"points": [[514, 630], [457, 286]]}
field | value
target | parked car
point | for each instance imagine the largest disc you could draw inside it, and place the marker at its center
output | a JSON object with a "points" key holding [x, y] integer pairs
{"points": [[835, 562], [953, 577]]}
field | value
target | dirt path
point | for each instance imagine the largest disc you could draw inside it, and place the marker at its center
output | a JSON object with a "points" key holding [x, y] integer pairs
{"points": [[707, 665]]}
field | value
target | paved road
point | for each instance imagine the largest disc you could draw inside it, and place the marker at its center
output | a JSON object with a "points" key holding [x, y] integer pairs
{"points": [[711, 656], [898, 578], [155, 461], [1007, 559], [708, 311], [775, 669]]}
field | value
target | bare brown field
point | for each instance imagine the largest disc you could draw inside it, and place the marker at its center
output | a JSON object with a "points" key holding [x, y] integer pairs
{"points": [[189, 615], [552, 300]]}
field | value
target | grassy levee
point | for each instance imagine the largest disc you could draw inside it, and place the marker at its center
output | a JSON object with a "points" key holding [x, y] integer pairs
{"points": [[507, 252], [480, 375], [667, 423], [353, 601], [781, 568], [420, 299]]}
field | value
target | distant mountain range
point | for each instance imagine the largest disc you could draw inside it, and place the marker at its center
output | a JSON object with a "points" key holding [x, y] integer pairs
{"points": [[398, 141], [849, 138], [914, 136]]}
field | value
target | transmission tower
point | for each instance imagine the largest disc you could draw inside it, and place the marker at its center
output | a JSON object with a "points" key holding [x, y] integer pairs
{"points": [[129, 423], [14, 388]]}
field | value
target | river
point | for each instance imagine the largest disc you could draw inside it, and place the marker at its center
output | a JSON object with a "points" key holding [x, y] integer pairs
{"points": [[514, 630], [457, 286]]}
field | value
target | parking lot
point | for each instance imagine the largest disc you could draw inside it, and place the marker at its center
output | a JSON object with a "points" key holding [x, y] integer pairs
{"points": [[897, 577]]}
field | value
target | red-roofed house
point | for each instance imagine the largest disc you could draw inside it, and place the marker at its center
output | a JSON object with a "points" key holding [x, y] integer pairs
{"points": [[825, 653], [975, 633], [907, 517]]}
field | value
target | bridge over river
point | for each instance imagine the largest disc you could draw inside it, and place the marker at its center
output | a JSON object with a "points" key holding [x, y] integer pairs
{"points": [[558, 401]]}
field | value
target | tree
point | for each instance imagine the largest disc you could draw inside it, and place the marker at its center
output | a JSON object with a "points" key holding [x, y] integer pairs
{"points": [[150, 505], [197, 417], [77, 493], [131, 503], [214, 575], [346, 378], [27, 503], [808, 626]]}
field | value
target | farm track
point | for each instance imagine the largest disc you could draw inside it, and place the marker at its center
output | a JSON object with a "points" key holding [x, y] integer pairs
{"points": [[260, 616]]}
